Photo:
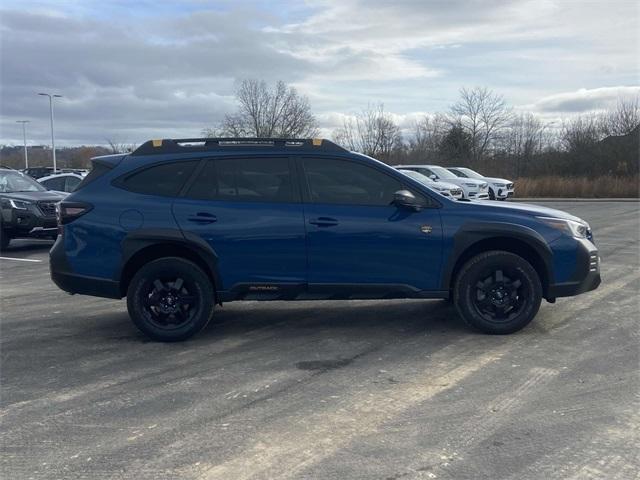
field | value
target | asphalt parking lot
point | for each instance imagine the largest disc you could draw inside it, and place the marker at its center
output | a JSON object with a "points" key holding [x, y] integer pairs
{"points": [[325, 390]]}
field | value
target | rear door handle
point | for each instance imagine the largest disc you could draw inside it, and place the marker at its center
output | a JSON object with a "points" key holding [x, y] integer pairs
{"points": [[324, 222], [203, 218]]}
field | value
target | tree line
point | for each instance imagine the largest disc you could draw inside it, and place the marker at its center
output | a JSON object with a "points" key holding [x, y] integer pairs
{"points": [[479, 130]]}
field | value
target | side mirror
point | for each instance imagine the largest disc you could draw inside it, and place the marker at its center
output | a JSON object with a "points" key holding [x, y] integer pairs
{"points": [[406, 199], [433, 177]]}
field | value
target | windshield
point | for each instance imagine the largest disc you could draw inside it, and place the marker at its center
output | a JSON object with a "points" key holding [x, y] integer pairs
{"points": [[443, 173], [418, 176], [11, 182], [470, 173]]}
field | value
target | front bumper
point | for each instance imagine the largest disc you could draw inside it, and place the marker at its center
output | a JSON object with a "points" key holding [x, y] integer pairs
{"points": [[503, 193], [586, 276], [28, 223]]}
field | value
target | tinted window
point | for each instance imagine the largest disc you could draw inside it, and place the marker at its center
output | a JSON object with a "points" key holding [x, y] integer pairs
{"points": [[166, 179], [424, 171], [350, 183], [55, 184], [244, 179], [96, 172], [72, 183]]}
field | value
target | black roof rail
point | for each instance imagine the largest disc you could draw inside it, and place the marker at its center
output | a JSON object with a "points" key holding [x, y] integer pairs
{"points": [[185, 145]]}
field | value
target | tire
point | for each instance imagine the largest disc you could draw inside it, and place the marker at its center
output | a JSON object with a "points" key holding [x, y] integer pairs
{"points": [[170, 299], [497, 292], [5, 238], [492, 195]]}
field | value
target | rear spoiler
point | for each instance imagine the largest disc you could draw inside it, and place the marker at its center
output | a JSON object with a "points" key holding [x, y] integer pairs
{"points": [[109, 161]]}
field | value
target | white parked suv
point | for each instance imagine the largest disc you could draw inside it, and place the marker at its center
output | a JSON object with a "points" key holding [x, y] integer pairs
{"points": [[471, 189], [443, 188], [499, 188]]}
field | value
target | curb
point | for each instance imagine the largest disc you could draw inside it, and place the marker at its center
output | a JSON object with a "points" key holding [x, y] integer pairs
{"points": [[565, 199]]}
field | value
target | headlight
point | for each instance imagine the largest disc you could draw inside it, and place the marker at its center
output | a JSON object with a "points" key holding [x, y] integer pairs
{"points": [[499, 185], [471, 185], [19, 204], [570, 227]]}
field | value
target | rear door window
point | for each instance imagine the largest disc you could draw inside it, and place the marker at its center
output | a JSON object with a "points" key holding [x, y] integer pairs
{"points": [[56, 184], [71, 183], [244, 179]]}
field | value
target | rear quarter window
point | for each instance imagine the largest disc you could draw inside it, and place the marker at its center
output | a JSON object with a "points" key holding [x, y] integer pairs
{"points": [[96, 172], [164, 179]]}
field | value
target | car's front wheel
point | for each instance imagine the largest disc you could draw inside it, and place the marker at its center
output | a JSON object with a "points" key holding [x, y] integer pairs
{"points": [[170, 299], [497, 292]]}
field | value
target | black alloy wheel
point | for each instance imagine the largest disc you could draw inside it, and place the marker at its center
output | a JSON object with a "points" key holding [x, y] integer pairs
{"points": [[500, 298], [168, 302], [497, 292], [170, 299]]}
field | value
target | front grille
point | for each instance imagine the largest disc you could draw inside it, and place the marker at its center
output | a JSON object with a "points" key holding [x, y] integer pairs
{"points": [[48, 209], [456, 191]]}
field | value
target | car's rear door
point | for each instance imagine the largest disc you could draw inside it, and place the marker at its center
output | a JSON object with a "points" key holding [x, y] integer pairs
{"points": [[248, 209], [359, 242]]}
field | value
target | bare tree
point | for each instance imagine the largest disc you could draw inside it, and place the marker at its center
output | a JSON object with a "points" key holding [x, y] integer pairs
{"points": [[523, 138], [120, 147], [581, 133], [268, 111], [429, 132], [624, 119], [372, 132], [483, 114]]}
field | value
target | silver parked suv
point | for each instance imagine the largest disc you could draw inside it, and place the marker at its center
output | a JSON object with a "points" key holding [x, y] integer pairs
{"points": [[472, 189], [499, 188]]}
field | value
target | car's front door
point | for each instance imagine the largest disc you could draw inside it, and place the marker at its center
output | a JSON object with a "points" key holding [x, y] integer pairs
{"points": [[249, 211], [358, 240]]}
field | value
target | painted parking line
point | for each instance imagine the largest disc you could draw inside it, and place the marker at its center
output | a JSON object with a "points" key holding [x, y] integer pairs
{"points": [[21, 259]]}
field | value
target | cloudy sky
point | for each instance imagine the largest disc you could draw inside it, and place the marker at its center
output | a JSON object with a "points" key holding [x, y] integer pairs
{"points": [[133, 70]]}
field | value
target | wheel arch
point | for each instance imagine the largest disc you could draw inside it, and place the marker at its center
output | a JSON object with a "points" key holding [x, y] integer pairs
{"points": [[141, 247], [474, 239]]}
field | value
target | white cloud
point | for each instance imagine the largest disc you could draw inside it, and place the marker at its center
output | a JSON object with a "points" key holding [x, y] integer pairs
{"points": [[585, 100]]}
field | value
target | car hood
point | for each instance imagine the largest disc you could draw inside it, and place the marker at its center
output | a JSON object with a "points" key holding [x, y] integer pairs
{"points": [[443, 185], [48, 196], [497, 180], [460, 181], [526, 208]]}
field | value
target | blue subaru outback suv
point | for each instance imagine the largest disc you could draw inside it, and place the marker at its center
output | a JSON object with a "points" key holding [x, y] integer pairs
{"points": [[178, 226]]}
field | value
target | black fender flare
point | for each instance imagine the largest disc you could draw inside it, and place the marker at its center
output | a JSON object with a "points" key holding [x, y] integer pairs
{"points": [[137, 240], [471, 233]]}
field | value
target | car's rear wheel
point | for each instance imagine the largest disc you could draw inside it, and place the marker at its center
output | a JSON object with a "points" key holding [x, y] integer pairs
{"points": [[5, 238], [497, 292], [170, 299]]}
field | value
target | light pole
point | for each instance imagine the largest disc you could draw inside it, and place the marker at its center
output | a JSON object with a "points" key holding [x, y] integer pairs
{"points": [[53, 143], [24, 138]]}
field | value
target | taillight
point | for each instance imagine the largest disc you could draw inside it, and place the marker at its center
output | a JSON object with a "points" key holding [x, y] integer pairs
{"points": [[67, 212]]}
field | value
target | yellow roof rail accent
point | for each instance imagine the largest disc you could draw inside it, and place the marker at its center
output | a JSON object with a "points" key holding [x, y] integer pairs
{"points": [[317, 142], [156, 143]]}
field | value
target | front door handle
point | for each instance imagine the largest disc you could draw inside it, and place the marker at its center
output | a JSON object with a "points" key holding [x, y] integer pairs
{"points": [[203, 218], [324, 222]]}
